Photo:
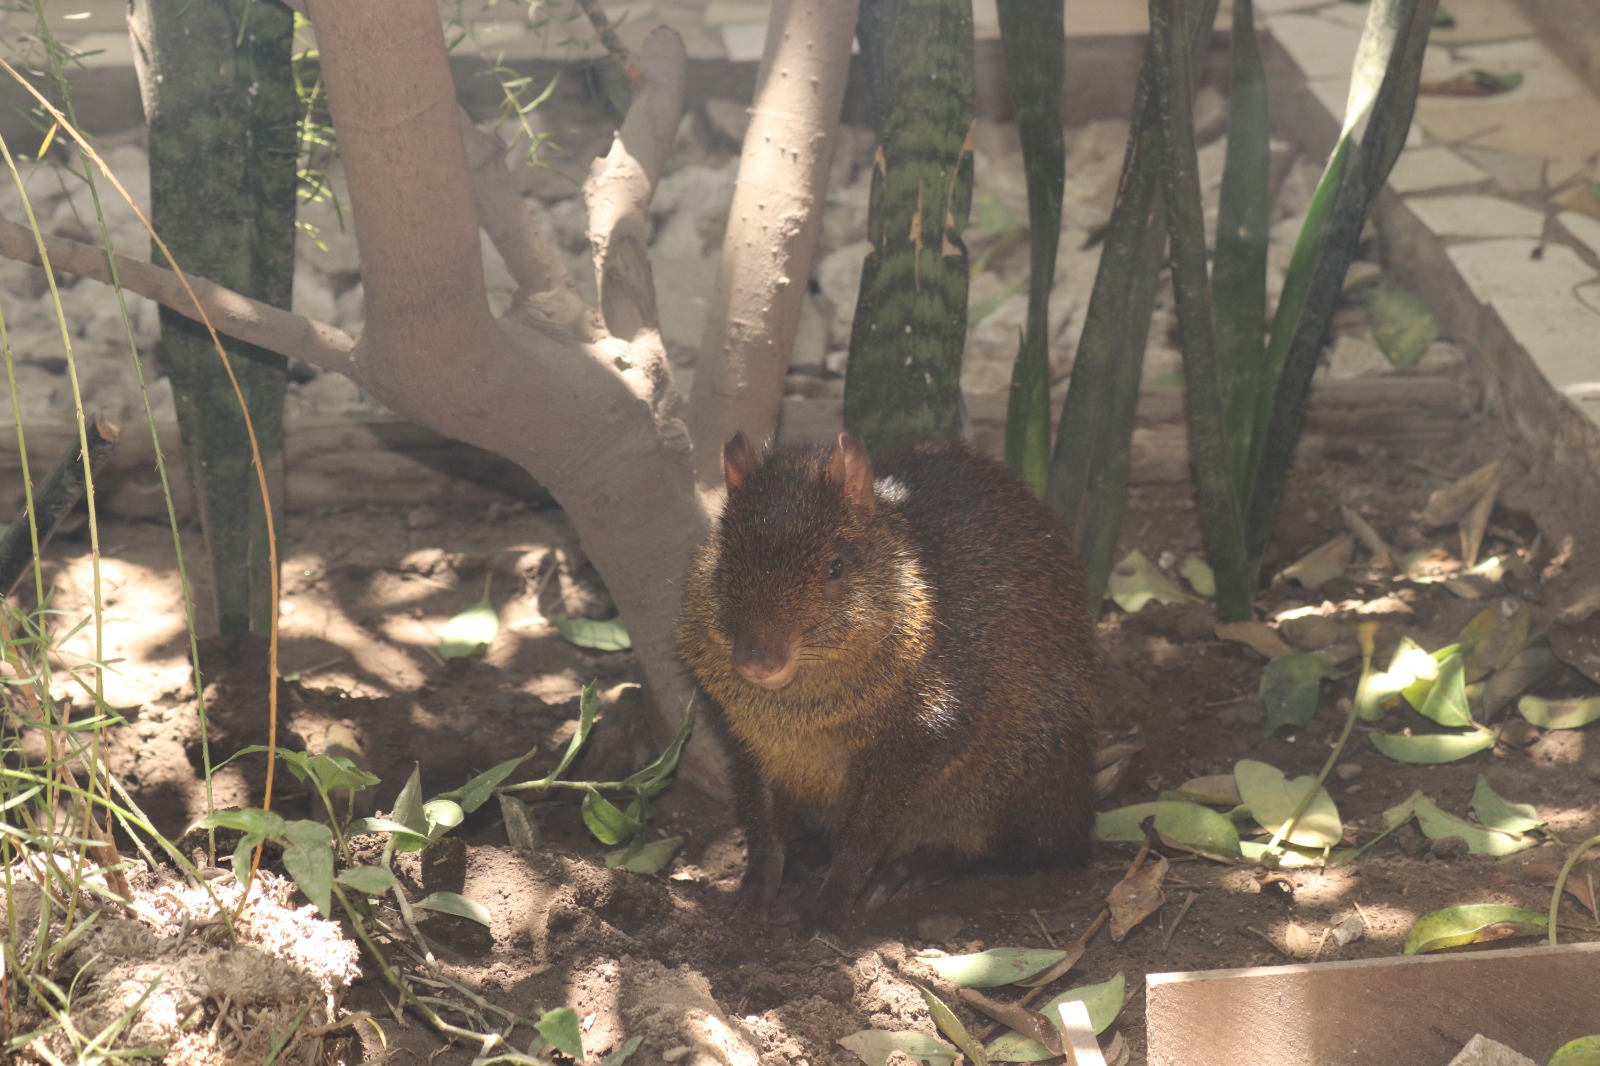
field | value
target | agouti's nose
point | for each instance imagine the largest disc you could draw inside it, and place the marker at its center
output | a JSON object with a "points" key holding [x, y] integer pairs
{"points": [[769, 667]]}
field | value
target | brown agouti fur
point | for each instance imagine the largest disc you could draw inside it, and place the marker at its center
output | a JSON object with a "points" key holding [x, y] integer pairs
{"points": [[904, 662]]}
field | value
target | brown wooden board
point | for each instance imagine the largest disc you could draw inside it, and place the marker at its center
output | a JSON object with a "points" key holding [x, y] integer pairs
{"points": [[1416, 1011]]}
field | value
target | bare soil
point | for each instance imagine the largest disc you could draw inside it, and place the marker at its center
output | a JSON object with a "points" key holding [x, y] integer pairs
{"points": [[665, 957]]}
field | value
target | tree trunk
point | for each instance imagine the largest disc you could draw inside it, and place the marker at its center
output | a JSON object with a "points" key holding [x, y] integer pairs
{"points": [[219, 97], [773, 225]]}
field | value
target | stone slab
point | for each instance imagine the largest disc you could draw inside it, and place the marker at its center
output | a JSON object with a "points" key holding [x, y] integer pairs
{"points": [[1417, 1010]]}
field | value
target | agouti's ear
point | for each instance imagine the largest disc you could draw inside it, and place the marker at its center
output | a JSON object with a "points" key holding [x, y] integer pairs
{"points": [[851, 470], [738, 461]]}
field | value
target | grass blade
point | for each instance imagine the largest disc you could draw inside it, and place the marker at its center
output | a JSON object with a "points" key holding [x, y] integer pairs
{"points": [[1240, 264], [1208, 442]]}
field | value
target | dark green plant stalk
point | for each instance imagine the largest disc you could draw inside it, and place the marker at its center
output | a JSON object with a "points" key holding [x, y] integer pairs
{"points": [[1208, 441], [1239, 271], [1395, 40], [1033, 36], [1089, 467], [219, 95], [904, 377]]}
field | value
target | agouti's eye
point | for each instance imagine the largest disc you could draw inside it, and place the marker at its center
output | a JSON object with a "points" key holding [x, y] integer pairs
{"points": [[836, 568]]}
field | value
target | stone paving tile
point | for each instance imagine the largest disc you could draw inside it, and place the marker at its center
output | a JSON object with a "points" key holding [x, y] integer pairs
{"points": [[1563, 131], [1320, 48], [1543, 75], [1519, 268], [1433, 167], [1482, 20], [1585, 229], [1512, 172], [1476, 216]]}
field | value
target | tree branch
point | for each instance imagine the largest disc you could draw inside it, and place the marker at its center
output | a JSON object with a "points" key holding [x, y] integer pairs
{"points": [[619, 188], [542, 279], [772, 227], [238, 316]]}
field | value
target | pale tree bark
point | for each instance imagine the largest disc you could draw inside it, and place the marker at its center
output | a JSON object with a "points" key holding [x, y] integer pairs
{"points": [[773, 225], [581, 398]]}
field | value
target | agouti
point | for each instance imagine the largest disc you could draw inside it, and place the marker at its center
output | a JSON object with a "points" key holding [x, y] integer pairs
{"points": [[903, 660]]}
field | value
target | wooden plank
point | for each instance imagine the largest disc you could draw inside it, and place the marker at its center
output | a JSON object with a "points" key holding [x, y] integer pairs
{"points": [[1418, 1009]]}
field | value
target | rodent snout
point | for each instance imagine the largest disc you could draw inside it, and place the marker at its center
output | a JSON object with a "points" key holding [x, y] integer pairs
{"points": [[770, 667]]}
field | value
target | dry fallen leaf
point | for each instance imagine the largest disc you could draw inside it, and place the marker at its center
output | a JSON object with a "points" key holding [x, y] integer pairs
{"points": [[1136, 897], [1322, 563], [1257, 636], [1299, 941], [1452, 503]]}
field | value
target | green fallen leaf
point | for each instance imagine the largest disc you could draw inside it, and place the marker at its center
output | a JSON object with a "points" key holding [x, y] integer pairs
{"points": [[874, 1046], [1500, 814], [1402, 324], [468, 634], [1272, 797], [1103, 1000], [1290, 689], [1187, 823], [1472, 923], [453, 903], [1198, 574], [643, 857], [1137, 581], [1379, 687], [1559, 714], [1433, 748], [948, 1024], [1584, 1051], [995, 967], [1446, 701], [1287, 858], [1213, 790], [560, 1028], [610, 635], [1438, 824], [1416, 693]]}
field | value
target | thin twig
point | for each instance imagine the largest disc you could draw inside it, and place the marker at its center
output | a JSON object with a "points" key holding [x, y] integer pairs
{"points": [[1188, 901], [613, 44]]}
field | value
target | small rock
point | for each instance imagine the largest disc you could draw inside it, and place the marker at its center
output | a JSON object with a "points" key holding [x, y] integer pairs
{"points": [[1347, 771], [1450, 849], [835, 361], [1481, 1051]]}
